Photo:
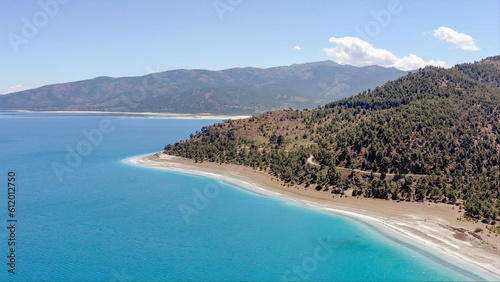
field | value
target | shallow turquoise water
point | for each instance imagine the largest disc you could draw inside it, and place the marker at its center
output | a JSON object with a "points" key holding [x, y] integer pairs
{"points": [[96, 218]]}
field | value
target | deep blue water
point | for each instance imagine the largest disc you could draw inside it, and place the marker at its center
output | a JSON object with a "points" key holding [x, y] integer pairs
{"points": [[95, 218]]}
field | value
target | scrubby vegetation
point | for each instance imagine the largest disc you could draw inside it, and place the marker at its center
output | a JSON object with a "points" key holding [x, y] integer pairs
{"points": [[433, 135]]}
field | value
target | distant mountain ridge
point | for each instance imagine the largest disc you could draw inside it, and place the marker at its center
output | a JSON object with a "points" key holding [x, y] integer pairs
{"points": [[232, 91]]}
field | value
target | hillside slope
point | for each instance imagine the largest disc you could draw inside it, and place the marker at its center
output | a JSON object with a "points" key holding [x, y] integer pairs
{"points": [[232, 91], [435, 132]]}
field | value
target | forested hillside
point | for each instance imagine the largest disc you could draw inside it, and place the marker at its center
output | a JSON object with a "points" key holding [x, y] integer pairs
{"points": [[433, 135]]}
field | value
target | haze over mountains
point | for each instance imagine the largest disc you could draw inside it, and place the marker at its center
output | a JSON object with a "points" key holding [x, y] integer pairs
{"points": [[232, 91]]}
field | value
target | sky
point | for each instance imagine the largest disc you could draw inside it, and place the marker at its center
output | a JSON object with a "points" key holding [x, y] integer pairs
{"points": [[53, 41]]}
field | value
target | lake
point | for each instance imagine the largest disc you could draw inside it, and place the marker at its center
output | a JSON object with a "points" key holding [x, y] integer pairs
{"points": [[84, 214]]}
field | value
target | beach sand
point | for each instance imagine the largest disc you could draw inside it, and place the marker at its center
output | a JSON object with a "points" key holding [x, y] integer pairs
{"points": [[150, 115], [428, 226]]}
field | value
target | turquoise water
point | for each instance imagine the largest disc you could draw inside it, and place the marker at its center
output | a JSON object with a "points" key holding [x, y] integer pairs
{"points": [[89, 216]]}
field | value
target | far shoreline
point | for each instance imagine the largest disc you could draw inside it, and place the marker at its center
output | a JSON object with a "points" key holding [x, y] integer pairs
{"points": [[165, 115], [435, 227]]}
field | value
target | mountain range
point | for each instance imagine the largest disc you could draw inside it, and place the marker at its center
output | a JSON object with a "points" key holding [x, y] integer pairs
{"points": [[232, 91]]}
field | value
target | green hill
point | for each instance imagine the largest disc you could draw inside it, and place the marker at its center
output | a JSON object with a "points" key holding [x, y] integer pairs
{"points": [[433, 135]]}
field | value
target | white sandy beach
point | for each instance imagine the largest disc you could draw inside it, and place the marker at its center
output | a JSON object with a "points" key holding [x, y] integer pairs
{"points": [[150, 114], [433, 228]]}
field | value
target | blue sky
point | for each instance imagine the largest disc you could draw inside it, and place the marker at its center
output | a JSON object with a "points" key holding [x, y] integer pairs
{"points": [[52, 41]]}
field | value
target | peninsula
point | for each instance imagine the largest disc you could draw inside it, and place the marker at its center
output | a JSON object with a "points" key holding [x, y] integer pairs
{"points": [[419, 155]]}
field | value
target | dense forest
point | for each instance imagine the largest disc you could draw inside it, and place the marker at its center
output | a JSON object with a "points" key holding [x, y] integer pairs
{"points": [[433, 135]]}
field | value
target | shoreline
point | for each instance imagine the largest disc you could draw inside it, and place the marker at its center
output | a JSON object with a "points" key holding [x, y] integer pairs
{"points": [[428, 226], [149, 114]]}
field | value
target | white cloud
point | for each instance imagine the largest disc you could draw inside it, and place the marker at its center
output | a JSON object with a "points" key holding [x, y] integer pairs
{"points": [[297, 48], [357, 52], [462, 40], [16, 88]]}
